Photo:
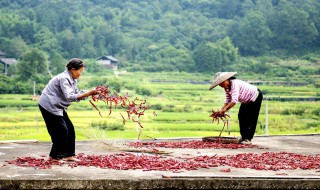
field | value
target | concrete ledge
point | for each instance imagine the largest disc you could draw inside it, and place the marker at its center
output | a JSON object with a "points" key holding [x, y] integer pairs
{"points": [[19, 141], [184, 183], [66, 177]]}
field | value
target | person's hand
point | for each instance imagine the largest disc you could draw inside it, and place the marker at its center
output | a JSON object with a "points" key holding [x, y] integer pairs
{"points": [[94, 92], [222, 111], [216, 114]]}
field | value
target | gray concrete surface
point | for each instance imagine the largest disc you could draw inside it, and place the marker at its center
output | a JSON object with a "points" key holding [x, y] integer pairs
{"points": [[65, 177]]}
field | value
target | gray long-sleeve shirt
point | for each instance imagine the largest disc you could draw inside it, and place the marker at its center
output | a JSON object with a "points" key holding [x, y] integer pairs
{"points": [[59, 93]]}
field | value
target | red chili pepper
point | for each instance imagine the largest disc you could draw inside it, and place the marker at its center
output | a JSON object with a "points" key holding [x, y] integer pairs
{"points": [[225, 170], [123, 119], [139, 135], [96, 108]]}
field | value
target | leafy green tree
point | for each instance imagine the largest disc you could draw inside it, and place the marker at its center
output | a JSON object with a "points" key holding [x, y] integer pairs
{"points": [[46, 41], [204, 58], [71, 45], [251, 34], [32, 64], [291, 26], [312, 7], [263, 6], [107, 39], [217, 56], [179, 58], [227, 51], [92, 66], [228, 8], [14, 47], [57, 64], [86, 39]]}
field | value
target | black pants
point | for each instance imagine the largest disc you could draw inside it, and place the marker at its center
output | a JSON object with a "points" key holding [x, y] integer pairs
{"points": [[62, 134], [248, 117]]}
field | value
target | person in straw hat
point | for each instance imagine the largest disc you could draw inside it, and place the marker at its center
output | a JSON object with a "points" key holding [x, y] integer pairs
{"points": [[248, 95]]}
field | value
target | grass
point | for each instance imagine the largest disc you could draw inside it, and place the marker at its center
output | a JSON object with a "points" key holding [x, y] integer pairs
{"points": [[183, 111]]}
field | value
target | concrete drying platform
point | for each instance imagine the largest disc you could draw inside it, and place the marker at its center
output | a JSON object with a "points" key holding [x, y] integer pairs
{"points": [[65, 177]]}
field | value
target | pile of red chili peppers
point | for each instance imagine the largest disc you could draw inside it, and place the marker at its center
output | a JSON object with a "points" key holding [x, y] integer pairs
{"points": [[124, 161], [38, 163]]}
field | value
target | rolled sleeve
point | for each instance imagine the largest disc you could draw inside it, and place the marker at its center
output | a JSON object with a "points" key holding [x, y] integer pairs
{"points": [[82, 92], [232, 96], [68, 90], [234, 99]]}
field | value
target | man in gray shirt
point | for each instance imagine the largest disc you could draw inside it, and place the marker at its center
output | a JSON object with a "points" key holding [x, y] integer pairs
{"points": [[53, 103]]}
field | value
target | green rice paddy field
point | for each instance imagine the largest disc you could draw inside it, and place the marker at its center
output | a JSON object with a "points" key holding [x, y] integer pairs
{"points": [[182, 109]]}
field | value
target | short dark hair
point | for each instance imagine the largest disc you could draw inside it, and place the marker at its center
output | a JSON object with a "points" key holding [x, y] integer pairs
{"points": [[75, 63]]}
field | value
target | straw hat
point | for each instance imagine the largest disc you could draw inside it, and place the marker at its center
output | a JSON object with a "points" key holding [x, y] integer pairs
{"points": [[221, 77]]}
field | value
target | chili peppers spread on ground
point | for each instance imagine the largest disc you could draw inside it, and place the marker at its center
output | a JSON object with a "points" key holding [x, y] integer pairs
{"points": [[194, 144], [266, 161], [125, 161], [38, 163]]}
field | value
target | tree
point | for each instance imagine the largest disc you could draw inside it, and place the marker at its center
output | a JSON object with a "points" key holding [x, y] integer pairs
{"points": [[292, 27], [312, 8], [32, 64], [212, 57], [251, 34], [57, 64], [229, 53], [46, 41], [203, 57], [14, 47]]}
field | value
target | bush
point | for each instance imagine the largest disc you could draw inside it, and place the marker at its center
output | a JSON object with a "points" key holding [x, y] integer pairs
{"points": [[316, 112], [299, 111], [144, 91], [313, 125], [109, 127], [286, 112], [156, 106], [311, 58], [169, 108], [92, 66]]}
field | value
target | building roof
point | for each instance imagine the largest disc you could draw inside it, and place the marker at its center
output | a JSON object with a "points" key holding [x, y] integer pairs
{"points": [[8, 61], [2, 53], [109, 57]]}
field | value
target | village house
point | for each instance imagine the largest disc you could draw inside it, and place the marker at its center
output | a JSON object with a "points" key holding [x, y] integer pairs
{"points": [[6, 62], [109, 62], [2, 54]]}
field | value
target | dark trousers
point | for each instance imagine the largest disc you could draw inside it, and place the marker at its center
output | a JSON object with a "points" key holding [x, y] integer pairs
{"points": [[62, 134], [248, 117]]}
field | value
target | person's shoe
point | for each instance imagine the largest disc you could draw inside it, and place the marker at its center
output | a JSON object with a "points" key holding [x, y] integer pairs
{"points": [[71, 159], [246, 141], [240, 140]]}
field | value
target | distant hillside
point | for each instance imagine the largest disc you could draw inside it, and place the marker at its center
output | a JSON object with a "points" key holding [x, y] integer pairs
{"points": [[155, 35]]}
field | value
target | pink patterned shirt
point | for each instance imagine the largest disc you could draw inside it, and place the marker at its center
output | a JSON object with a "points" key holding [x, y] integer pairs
{"points": [[241, 91]]}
